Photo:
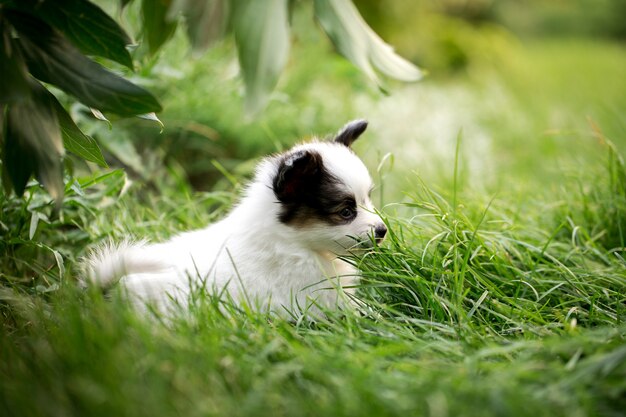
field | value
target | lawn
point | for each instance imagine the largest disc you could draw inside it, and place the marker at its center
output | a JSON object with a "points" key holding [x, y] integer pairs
{"points": [[500, 290]]}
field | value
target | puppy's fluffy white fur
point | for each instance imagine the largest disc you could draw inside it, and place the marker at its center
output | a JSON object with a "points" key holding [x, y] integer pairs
{"points": [[278, 248]]}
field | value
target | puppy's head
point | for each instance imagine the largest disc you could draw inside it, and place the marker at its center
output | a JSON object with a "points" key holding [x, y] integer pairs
{"points": [[323, 190]]}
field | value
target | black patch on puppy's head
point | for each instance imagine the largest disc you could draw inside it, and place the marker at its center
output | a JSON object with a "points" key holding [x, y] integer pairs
{"points": [[308, 193], [297, 172]]}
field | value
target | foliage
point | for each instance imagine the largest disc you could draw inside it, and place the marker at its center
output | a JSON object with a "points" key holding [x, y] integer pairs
{"points": [[262, 31], [46, 42]]}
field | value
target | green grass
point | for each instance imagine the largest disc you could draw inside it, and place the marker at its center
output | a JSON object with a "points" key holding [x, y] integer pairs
{"points": [[500, 290], [478, 310]]}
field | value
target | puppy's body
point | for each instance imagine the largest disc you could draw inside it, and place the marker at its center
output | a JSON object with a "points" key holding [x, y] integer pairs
{"points": [[278, 248]]}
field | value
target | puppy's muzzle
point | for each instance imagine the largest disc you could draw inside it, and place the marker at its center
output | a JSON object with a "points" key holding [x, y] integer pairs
{"points": [[376, 234], [380, 230]]}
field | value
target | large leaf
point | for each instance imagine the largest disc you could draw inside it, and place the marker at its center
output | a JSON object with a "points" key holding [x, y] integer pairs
{"points": [[84, 24], [262, 35], [355, 40], [18, 163], [52, 59], [33, 144], [207, 20], [6, 181], [13, 81], [74, 139], [157, 28]]}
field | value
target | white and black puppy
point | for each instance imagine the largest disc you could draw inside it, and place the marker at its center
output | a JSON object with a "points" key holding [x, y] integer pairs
{"points": [[279, 248]]}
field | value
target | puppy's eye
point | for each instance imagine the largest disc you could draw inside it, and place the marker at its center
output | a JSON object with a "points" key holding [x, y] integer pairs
{"points": [[347, 213]]}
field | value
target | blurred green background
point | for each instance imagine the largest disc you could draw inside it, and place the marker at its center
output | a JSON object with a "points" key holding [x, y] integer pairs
{"points": [[525, 83]]}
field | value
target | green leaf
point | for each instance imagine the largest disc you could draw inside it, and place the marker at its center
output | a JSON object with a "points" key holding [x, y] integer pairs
{"points": [[98, 115], [153, 118], [33, 143], [355, 40], [207, 20], [74, 139], [13, 82], [112, 177], [52, 59], [6, 181], [157, 28], [34, 222], [262, 36], [18, 164], [84, 24]]}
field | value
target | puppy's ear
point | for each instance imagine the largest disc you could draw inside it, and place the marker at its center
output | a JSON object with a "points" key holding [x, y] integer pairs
{"points": [[298, 174], [351, 132]]}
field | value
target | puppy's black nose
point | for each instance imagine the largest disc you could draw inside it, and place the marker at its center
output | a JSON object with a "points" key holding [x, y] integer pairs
{"points": [[380, 231]]}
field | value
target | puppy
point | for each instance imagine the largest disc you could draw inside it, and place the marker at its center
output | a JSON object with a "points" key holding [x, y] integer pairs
{"points": [[278, 249]]}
